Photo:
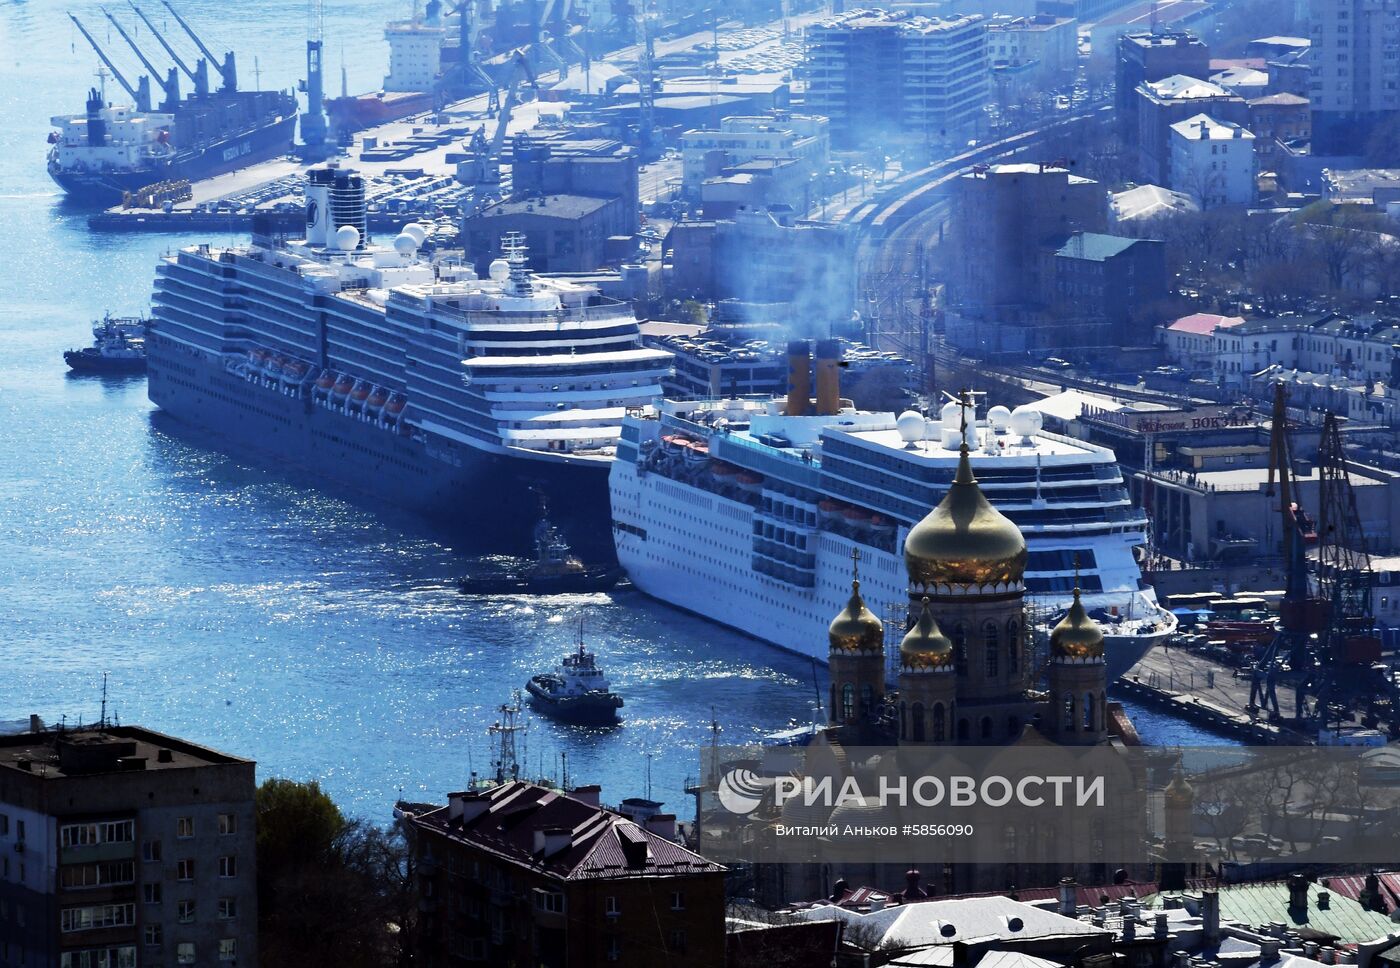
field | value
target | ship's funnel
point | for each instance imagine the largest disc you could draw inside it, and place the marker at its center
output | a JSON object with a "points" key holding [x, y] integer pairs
{"points": [[828, 377], [318, 205], [799, 401]]}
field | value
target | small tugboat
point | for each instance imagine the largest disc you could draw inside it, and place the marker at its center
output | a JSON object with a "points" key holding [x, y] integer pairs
{"points": [[576, 691], [119, 346], [555, 571]]}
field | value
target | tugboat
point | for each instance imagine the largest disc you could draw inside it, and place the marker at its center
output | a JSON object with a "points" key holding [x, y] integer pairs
{"points": [[576, 691], [555, 571], [118, 347]]}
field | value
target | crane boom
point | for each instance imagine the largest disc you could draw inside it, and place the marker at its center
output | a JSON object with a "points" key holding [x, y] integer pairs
{"points": [[170, 85], [200, 74], [227, 69], [135, 96]]}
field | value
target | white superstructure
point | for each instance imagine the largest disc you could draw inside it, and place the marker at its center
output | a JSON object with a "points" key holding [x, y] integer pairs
{"points": [[733, 501]]}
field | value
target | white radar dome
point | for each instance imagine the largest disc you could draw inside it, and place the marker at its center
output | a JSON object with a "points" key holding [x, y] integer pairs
{"points": [[1000, 418], [347, 237], [500, 270], [405, 244], [1026, 421], [416, 230], [911, 426]]}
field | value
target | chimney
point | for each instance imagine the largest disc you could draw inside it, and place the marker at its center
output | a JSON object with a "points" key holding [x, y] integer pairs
{"points": [[1328, 955], [1297, 891], [1370, 896], [1345, 957], [1310, 949], [1183, 959], [1210, 914], [1268, 950], [552, 840], [828, 377], [466, 807], [1324, 901], [36, 724], [877, 904], [590, 794], [663, 825], [1068, 904], [912, 890], [1159, 925], [1129, 928], [799, 401]]}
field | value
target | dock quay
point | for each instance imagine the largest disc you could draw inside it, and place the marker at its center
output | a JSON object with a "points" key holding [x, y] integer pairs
{"points": [[1209, 693]]}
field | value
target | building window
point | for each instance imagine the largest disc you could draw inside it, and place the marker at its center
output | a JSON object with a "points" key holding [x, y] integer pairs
{"points": [[228, 824], [228, 866], [228, 908], [610, 906], [151, 893], [184, 869], [990, 644], [551, 901], [150, 850], [916, 722], [1089, 712], [677, 900], [227, 949], [4, 825], [614, 949], [184, 827], [678, 941], [184, 911], [960, 648], [939, 730], [153, 935], [96, 916], [1013, 647], [184, 953]]}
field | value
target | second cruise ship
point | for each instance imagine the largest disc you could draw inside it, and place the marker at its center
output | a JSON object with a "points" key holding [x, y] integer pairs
{"points": [[410, 380], [762, 503]]}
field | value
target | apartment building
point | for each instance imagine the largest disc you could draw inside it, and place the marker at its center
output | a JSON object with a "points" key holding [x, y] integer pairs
{"points": [[1030, 54], [1150, 56], [1354, 83], [881, 75], [121, 846], [522, 874], [1213, 161]]}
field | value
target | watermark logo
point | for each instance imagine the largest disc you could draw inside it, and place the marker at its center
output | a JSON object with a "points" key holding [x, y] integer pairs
{"points": [[741, 791]]}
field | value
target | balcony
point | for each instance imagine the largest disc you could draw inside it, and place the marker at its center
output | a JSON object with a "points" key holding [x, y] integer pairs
{"points": [[92, 853]]}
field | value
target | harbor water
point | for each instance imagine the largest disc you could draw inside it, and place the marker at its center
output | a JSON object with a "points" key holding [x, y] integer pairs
{"points": [[231, 602]]}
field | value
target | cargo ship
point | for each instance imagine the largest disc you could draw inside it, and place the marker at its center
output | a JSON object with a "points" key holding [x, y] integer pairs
{"points": [[112, 149], [409, 382], [412, 85]]}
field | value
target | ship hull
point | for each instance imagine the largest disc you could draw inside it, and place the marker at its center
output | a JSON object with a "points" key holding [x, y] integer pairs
{"points": [[350, 114], [487, 501], [671, 554], [105, 186]]}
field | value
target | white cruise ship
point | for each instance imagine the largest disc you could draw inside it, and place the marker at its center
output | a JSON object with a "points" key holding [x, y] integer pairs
{"points": [[404, 378], [737, 501]]}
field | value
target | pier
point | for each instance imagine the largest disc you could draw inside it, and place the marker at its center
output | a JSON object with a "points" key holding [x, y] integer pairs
{"points": [[1202, 691]]}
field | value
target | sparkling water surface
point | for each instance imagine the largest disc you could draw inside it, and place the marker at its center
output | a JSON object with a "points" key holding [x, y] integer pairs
{"points": [[228, 600]]}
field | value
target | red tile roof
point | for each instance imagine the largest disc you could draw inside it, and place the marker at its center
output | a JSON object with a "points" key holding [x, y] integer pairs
{"points": [[590, 842]]}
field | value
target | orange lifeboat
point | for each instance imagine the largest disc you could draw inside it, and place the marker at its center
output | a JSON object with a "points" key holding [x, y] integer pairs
{"points": [[395, 405], [361, 393], [326, 380], [721, 469], [749, 480], [378, 398], [343, 385]]}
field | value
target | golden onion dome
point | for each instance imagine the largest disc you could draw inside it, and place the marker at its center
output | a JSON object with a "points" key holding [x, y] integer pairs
{"points": [[965, 541], [925, 646], [856, 629], [1077, 636], [1179, 791]]}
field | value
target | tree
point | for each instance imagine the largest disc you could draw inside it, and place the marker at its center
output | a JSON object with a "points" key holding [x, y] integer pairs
{"points": [[330, 891]]}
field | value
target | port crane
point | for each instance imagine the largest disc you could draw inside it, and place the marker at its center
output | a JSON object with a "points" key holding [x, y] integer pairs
{"points": [[1327, 637], [199, 75], [228, 67], [141, 93], [170, 86], [486, 156], [470, 75]]}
